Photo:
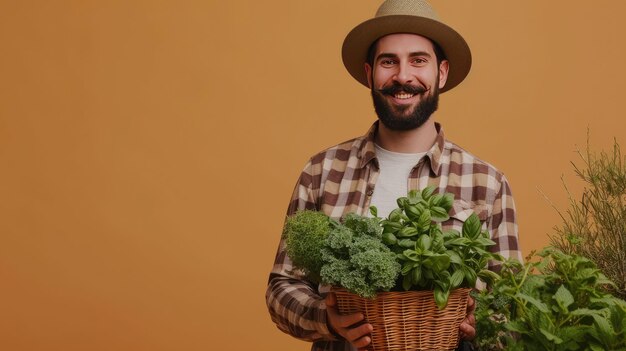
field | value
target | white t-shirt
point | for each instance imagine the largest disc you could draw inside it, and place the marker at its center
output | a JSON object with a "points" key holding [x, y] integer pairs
{"points": [[393, 178]]}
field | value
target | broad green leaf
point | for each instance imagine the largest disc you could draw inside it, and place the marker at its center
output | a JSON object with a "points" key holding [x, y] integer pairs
{"points": [[424, 242], [458, 242], [407, 232], [420, 207], [437, 262], [456, 279], [407, 243], [451, 234], [563, 298], [413, 212], [484, 242], [517, 326], [471, 227], [489, 277], [439, 214], [443, 281], [428, 192], [389, 239], [402, 202], [551, 336], [454, 257], [604, 327], [540, 305], [436, 199], [470, 276], [406, 282], [407, 268], [447, 201], [576, 333], [441, 298], [414, 196], [411, 255], [480, 252], [424, 221], [437, 244], [587, 312], [374, 211], [395, 215], [444, 276], [417, 275], [390, 226]]}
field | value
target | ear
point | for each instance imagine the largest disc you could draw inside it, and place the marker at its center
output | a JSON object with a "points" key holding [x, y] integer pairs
{"points": [[368, 72], [444, 67]]}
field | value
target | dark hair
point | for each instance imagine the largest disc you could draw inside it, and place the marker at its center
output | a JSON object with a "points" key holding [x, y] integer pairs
{"points": [[436, 48]]}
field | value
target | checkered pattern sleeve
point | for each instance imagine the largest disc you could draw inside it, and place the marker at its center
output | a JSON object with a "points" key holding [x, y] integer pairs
{"points": [[295, 304], [503, 224]]}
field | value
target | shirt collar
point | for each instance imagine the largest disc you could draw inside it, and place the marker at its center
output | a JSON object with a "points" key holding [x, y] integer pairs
{"points": [[367, 152]]}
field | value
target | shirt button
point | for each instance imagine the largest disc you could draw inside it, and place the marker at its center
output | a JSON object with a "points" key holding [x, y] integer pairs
{"points": [[370, 192]]}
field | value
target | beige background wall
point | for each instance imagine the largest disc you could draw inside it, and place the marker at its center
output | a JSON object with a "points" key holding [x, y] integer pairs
{"points": [[148, 149]]}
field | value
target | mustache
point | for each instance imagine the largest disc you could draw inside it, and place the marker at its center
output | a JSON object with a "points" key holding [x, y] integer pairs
{"points": [[407, 88]]}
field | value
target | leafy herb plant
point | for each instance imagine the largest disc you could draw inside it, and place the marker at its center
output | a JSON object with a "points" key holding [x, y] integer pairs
{"points": [[433, 259], [562, 306], [305, 233], [355, 257]]}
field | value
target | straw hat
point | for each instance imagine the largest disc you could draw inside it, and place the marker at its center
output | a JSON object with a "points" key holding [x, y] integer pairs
{"points": [[407, 16]]}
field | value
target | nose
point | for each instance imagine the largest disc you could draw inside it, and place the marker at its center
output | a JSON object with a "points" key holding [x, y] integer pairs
{"points": [[403, 75]]}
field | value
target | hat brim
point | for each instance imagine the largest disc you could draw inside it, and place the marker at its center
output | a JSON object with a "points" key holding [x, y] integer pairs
{"points": [[358, 41]]}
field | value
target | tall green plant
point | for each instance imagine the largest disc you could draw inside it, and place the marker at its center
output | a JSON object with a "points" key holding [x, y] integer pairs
{"points": [[594, 226]]}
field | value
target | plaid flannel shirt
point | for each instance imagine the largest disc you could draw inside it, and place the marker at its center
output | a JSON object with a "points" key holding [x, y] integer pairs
{"points": [[342, 178]]}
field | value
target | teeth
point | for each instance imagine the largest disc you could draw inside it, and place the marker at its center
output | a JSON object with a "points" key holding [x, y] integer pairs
{"points": [[403, 96]]}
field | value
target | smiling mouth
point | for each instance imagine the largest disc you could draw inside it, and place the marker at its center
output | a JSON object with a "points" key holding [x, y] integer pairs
{"points": [[403, 96]]}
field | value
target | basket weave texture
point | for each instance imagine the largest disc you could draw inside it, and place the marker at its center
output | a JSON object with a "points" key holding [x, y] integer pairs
{"points": [[408, 320]]}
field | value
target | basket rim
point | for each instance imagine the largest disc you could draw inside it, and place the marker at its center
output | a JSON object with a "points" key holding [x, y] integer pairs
{"points": [[403, 292]]}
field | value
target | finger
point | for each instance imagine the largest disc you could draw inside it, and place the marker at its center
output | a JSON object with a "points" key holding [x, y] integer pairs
{"points": [[362, 343], [345, 321], [359, 332], [471, 320], [471, 305], [342, 321], [467, 332]]}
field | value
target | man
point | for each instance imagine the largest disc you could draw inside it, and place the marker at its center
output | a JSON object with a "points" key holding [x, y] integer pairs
{"points": [[406, 56]]}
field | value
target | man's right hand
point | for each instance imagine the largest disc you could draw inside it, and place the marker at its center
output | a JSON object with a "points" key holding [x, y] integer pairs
{"points": [[344, 325]]}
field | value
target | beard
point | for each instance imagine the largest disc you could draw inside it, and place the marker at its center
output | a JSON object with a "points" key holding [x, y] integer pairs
{"points": [[400, 118]]}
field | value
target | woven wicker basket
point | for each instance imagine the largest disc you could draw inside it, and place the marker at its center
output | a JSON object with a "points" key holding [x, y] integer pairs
{"points": [[408, 320]]}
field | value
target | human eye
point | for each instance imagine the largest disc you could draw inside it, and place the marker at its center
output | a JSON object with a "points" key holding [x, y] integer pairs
{"points": [[387, 62], [419, 60]]}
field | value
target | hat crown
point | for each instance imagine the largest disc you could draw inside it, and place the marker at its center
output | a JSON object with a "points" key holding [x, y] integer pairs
{"points": [[418, 8]]}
